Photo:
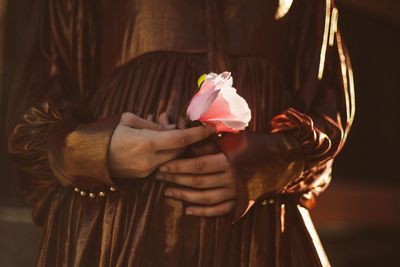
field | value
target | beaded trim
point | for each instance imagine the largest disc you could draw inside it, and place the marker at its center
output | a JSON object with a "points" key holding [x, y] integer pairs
{"points": [[267, 201], [84, 193]]}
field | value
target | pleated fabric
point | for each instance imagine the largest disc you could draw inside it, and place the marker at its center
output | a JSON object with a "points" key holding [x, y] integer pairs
{"points": [[145, 57], [136, 225]]}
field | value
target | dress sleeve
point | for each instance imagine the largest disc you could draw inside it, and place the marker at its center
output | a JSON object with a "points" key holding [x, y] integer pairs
{"points": [[324, 109], [296, 157], [55, 141]]}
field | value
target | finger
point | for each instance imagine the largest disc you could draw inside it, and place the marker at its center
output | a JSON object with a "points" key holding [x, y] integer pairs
{"points": [[206, 148], [202, 197], [167, 155], [216, 210], [197, 181], [133, 121], [181, 138], [181, 122], [200, 165], [163, 119], [170, 126]]}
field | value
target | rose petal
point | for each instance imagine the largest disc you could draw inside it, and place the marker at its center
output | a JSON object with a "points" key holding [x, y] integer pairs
{"points": [[237, 104], [218, 103], [200, 104], [228, 105], [223, 125], [219, 108], [223, 80]]}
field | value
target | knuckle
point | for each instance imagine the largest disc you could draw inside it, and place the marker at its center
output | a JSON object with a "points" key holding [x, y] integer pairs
{"points": [[184, 140], [198, 166], [198, 181]]}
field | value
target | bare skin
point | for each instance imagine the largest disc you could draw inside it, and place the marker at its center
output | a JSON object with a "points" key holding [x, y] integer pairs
{"points": [[139, 146], [209, 180]]}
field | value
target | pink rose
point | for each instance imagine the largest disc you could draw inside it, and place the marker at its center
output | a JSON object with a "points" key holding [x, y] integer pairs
{"points": [[217, 103]]}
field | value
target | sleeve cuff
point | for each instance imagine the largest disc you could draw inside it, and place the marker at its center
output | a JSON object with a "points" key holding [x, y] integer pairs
{"points": [[316, 145], [78, 157], [264, 164]]}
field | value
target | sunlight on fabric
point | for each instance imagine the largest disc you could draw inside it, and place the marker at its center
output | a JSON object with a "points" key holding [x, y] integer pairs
{"points": [[334, 22], [325, 39], [314, 236], [283, 8], [283, 218], [348, 82]]}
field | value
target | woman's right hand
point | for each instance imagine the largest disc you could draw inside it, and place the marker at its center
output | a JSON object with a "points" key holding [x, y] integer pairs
{"points": [[139, 146]]}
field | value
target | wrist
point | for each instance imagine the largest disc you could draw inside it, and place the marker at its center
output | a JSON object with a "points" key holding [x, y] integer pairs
{"points": [[79, 156]]}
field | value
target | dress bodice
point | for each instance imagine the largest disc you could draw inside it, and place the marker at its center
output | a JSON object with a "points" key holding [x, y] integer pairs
{"points": [[244, 27]]}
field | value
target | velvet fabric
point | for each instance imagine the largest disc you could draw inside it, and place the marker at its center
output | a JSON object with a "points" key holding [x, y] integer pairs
{"points": [[93, 60]]}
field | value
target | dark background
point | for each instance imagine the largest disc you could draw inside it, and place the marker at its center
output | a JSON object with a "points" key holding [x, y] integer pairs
{"points": [[358, 217]]}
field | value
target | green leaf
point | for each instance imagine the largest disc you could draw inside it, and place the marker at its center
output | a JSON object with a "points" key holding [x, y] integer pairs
{"points": [[201, 80]]}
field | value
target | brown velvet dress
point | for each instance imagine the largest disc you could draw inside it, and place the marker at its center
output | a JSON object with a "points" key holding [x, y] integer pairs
{"points": [[93, 60]]}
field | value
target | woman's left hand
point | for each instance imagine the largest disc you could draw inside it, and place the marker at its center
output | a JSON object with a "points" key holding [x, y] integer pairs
{"points": [[208, 183]]}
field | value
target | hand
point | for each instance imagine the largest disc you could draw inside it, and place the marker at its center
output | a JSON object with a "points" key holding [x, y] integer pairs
{"points": [[209, 183], [139, 146]]}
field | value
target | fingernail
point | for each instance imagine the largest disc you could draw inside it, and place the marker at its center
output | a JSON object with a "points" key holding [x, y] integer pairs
{"points": [[189, 211], [168, 193]]}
